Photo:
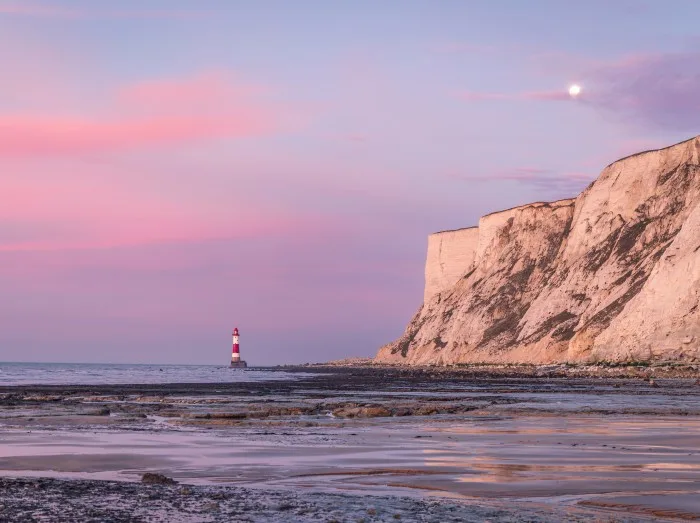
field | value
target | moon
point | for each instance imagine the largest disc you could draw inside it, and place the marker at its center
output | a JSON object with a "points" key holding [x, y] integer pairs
{"points": [[574, 90]]}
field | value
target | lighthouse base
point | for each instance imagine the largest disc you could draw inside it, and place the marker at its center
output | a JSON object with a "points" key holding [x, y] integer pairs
{"points": [[240, 364]]}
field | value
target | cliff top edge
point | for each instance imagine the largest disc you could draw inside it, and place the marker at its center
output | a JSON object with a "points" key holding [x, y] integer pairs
{"points": [[562, 202], [572, 199], [454, 230], [654, 150]]}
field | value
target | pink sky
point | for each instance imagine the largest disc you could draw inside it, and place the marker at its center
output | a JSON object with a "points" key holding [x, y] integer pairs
{"points": [[170, 173]]}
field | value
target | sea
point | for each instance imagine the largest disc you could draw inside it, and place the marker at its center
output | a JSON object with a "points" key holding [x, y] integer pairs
{"points": [[116, 374]]}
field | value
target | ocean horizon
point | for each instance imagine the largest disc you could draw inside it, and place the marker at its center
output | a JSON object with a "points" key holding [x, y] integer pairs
{"points": [[38, 373]]}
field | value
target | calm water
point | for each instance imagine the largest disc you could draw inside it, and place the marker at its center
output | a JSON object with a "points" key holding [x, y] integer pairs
{"points": [[111, 374]]}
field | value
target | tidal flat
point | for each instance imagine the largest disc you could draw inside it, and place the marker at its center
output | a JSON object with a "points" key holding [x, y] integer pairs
{"points": [[359, 444]]}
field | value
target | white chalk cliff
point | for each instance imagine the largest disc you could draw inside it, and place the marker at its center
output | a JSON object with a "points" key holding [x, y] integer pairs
{"points": [[612, 275]]}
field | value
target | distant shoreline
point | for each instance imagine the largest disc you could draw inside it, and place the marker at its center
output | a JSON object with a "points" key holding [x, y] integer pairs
{"points": [[641, 370]]}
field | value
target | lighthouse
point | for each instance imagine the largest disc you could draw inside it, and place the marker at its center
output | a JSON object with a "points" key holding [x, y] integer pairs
{"points": [[236, 361]]}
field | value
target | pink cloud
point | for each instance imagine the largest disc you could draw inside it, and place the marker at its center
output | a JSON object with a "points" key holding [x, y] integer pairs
{"points": [[205, 89], [545, 96], [30, 135], [83, 208], [357, 138], [145, 115], [108, 233], [472, 96], [548, 96], [168, 234]]}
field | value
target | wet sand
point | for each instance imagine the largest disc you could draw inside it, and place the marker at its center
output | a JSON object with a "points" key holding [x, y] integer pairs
{"points": [[536, 448]]}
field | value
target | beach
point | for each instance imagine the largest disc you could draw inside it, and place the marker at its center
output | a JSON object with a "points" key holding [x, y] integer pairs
{"points": [[358, 443]]}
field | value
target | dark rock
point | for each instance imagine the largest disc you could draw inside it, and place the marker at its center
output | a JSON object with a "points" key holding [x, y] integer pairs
{"points": [[361, 412], [104, 411], [157, 479]]}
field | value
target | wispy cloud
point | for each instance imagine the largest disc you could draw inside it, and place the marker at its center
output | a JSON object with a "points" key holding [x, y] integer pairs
{"points": [[356, 138], [65, 214], [656, 90], [544, 96], [29, 136], [210, 87], [559, 184], [149, 114], [262, 229]]}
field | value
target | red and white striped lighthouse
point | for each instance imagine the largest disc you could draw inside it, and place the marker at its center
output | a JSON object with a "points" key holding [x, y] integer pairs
{"points": [[236, 353]]}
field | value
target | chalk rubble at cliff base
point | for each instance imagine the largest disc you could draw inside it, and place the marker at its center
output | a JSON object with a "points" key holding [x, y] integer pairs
{"points": [[612, 275]]}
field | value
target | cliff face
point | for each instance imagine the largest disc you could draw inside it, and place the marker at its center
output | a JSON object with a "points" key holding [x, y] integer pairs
{"points": [[612, 275], [449, 252]]}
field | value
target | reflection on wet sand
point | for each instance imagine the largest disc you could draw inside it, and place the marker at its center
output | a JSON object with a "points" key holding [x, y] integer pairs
{"points": [[458, 444]]}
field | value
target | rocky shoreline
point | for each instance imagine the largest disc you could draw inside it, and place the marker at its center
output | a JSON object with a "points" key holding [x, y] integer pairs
{"points": [[351, 442], [219, 404], [640, 370], [42, 499]]}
